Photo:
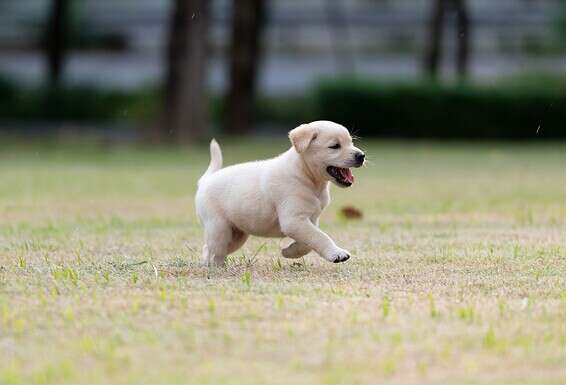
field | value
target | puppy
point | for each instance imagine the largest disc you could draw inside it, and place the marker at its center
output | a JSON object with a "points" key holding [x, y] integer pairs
{"points": [[279, 197]]}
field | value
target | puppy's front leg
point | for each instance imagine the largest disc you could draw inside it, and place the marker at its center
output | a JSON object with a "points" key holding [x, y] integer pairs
{"points": [[295, 250], [302, 230]]}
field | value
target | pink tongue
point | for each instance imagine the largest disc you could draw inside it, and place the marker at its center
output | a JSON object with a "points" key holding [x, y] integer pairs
{"points": [[347, 175]]}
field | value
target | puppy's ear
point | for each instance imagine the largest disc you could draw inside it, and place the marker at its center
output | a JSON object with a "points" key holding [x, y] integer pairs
{"points": [[302, 136]]}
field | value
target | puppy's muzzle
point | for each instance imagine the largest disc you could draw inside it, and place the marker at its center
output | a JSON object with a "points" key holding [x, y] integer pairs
{"points": [[359, 159]]}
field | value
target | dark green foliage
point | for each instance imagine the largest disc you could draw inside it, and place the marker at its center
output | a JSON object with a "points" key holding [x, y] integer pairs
{"points": [[560, 22], [444, 111], [290, 110], [508, 110], [77, 104]]}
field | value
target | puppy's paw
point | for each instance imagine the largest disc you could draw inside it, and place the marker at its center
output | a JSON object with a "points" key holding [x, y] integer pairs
{"points": [[339, 255]]}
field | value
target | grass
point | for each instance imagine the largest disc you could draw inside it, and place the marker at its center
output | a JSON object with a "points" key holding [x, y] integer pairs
{"points": [[458, 274]]}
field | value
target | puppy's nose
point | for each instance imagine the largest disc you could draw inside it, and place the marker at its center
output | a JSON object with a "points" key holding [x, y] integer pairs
{"points": [[360, 157]]}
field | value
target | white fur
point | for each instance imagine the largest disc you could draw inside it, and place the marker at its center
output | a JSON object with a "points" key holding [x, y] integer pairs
{"points": [[277, 197]]}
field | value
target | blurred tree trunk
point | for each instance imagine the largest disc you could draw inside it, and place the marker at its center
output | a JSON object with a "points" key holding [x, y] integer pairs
{"points": [[433, 45], [247, 26], [55, 43], [340, 34], [185, 106], [463, 30]]}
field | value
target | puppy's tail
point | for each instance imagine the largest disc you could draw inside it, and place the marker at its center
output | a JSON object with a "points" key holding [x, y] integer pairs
{"points": [[215, 160]]}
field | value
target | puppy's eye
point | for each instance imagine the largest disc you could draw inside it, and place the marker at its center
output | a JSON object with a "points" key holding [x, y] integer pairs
{"points": [[335, 147]]}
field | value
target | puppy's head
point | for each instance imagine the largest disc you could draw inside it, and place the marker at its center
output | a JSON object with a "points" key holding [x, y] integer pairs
{"points": [[327, 149]]}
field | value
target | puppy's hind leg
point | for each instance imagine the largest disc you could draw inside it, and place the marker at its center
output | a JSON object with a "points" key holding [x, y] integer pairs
{"points": [[206, 258], [218, 237], [295, 250], [237, 241]]}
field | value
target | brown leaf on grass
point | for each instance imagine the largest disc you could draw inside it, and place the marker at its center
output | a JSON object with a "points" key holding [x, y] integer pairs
{"points": [[350, 212]]}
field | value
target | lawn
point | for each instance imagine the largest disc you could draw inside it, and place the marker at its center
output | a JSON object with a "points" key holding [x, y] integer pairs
{"points": [[458, 274]]}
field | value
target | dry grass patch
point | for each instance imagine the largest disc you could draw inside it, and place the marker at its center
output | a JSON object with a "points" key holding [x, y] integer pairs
{"points": [[458, 275]]}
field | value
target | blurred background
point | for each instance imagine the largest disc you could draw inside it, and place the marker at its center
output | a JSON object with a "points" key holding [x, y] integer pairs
{"points": [[179, 71]]}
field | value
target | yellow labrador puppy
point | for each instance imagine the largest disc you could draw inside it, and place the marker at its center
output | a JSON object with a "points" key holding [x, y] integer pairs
{"points": [[277, 197]]}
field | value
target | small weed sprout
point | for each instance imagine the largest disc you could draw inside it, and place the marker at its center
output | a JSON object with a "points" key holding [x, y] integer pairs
{"points": [[385, 307], [490, 340], [162, 293], [22, 263], [434, 313], [279, 301], [66, 274], [211, 306], [502, 309], [467, 314], [247, 279], [389, 366], [212, 320]]}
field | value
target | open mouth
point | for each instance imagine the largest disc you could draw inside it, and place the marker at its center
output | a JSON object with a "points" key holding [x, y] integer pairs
{"points": [[343, 176]]}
